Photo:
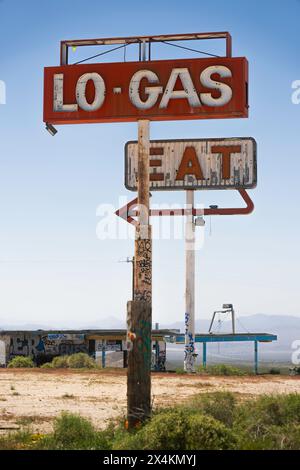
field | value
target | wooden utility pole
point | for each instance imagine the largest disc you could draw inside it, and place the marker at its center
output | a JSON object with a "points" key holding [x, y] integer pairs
{"points": [[139, 311], [189, 352]]}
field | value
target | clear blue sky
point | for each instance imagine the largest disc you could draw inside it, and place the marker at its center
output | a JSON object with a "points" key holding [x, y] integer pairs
{"points": [[53, 269]]}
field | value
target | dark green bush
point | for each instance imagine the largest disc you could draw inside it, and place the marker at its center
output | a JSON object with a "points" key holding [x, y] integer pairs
{"points": [[206, 433], [178, 429], [21, 361], [165, 431], [274, 371]]}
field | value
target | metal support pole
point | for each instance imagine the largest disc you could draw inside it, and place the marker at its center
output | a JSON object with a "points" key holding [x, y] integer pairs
{"points": [[189, 353], [156, 350], [256, 357], [204, 356], [233, 321], [103, 353], [144, 51], [139, 311], [132, 262]]}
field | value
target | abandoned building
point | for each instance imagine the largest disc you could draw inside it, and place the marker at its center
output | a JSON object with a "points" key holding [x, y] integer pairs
{"points": [[108, 347]]}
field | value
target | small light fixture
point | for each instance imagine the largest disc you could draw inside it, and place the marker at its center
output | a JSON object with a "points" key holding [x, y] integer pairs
{"points": [[51, 129], [199, 222]]}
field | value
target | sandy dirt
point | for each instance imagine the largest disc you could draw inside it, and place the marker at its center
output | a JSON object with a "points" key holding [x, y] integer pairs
{"points": [[36, 397]]}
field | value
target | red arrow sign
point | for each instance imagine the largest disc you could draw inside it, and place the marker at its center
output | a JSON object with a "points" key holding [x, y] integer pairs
{"points": [[124, 212], [129, 208]]}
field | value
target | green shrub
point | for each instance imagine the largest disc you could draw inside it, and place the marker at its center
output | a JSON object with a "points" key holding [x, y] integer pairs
{"points": [[75, 361], [274, 438], [287, 437], [220, 369], [268, 410], [72, 431], [47, 365], [178, 429], [274, 371], [219, 405], [166, 431], [21, 361], [18, 440], [60, 362], [206, 433], [80, 361], [264, 423], [223, 369]]}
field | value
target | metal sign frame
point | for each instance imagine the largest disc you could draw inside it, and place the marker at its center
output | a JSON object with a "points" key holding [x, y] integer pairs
{"points": [[142, 41]]}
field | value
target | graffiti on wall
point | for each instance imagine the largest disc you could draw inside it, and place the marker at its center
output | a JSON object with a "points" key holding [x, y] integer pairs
{"points": [[158, 359], [54, 344], [109, 345]]}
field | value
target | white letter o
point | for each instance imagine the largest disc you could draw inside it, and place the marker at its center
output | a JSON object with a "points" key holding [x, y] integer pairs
{"points": [[99, 91]]}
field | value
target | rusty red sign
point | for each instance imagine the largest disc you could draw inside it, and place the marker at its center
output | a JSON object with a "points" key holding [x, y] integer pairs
{"points": [[153, 90]]}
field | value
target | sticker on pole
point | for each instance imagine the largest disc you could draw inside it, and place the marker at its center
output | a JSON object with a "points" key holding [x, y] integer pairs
{"points": [[228, 163]]}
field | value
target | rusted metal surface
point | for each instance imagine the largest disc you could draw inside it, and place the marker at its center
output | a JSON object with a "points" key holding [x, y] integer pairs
{"points": [[213, 88], [129, 211], [229, 163], [64, 45]]}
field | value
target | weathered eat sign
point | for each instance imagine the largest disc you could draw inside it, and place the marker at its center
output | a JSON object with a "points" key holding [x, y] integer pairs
{"points": [[154, 90], [195, 164]]}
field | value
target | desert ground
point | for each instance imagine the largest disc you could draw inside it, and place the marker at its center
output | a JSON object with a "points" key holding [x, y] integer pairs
{"points": [[37, 396]]}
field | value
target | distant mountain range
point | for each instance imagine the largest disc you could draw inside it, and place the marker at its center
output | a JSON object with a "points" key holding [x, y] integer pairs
{"points": [[258, 323]]}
